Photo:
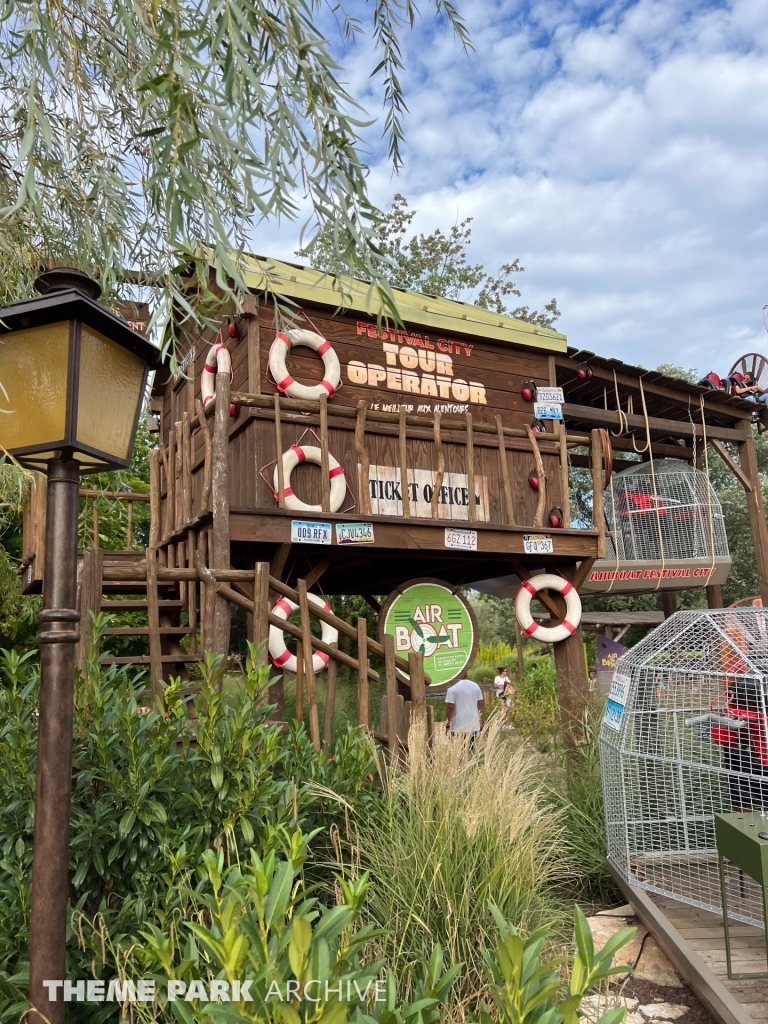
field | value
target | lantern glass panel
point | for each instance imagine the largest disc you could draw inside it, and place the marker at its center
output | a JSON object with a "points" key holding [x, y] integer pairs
{"points": [[110, 392], [33, 385]]}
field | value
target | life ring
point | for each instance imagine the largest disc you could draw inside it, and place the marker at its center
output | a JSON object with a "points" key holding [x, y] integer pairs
{"points": [[285, 383], [547, 634], [218, 360], [279, 653], [310, 453]]}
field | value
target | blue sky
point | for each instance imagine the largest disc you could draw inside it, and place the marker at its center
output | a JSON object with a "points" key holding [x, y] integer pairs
{"points": [[619, 149]]}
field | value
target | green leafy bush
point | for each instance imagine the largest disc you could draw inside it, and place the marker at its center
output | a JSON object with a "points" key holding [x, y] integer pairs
{"points": [[153, 788]]}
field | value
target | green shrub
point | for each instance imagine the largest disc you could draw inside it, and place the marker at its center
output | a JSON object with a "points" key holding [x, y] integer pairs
{"points": [[537, 712], [154, 788]]}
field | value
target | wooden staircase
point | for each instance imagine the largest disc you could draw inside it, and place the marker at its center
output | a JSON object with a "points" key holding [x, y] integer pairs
{"points": [[160, 632]]}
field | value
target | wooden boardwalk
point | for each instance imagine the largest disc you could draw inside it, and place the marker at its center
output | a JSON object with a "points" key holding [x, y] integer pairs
{"points": [[693, 940], [703, 931]]}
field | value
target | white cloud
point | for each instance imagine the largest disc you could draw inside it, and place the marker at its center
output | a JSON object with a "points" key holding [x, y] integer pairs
{"points": [[621, 150]]}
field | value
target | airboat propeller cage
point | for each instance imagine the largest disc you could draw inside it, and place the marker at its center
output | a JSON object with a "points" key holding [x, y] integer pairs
{"points": [[667, 531], [684, 737]]}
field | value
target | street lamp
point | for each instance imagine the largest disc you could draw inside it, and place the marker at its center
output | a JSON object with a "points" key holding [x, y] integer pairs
{"points": [[72, 384]]}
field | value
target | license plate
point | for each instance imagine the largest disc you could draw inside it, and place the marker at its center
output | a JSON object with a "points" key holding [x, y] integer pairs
{"points": [[550, 395], [354, 533], [537, 544], [303, 532], [547, 410], [466, 540]]}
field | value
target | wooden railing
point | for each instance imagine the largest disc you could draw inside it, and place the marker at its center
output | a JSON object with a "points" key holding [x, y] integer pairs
{"points": [[130, 497], [172, 465], [259, 584]]}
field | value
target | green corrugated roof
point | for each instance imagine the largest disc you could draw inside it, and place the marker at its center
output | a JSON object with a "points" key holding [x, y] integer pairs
{"points": [[297, 281]]}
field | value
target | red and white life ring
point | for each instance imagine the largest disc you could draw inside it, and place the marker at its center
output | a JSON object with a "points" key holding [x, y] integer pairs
{"points": [[278, 353], [279, 653], [218, 360], [310, 453], [547, 634]]}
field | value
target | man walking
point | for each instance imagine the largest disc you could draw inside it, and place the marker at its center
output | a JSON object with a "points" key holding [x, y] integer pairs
{"points": [[464, 708]]}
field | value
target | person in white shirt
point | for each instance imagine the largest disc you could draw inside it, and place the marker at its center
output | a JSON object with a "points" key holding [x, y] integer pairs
{"points": [[500, 682], [464, 707]]}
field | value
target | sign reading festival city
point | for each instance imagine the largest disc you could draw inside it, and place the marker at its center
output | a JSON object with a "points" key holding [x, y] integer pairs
{"points": [[428, 616]]}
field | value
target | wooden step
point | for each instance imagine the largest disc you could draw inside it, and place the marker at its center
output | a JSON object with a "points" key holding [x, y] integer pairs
{"points": [[144, 659], [144, 631], [138, 606]]}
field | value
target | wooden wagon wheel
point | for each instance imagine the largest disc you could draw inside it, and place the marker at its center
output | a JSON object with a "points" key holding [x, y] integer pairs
{"points": [[754, 363], [757, 365]]}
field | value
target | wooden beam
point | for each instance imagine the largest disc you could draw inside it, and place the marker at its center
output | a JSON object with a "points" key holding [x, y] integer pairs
{"points": [[572, 682], [309, 669], [391, 696], [330, 698], [504, 466], [403, 458], [280, 557], [253, 341], [671, 428], [541, 503], [440, 474], [598, 508], [748, 460], [565, 487], [219, 554], [418, 689], [362, 454], [733, 465], [322, 566], [580, 576], [363, 690]]}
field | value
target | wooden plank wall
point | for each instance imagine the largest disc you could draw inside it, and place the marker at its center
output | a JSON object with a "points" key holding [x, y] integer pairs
{"points": [[500, 368]]}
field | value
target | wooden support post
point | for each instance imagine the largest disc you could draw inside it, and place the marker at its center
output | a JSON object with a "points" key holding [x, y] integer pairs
{"points": [[206, 495], [219, 554], [261, 608], [300, 681], [279, 451], [598, 508], [572, 682], [756, 509], [363, 690], [364, 490], [668, 602], [129, 527], [330, 698], [505, 473], [178, 489], [192, 591], [280, 557], [418, 690], [91, 586], [565, 488], [153, 622], [541, 502], [309, 669], [186, 470], [391, 697], [403, 454], [95, 522], [440, 474], [325, 483], [470, 459], [715, 596], [170, 483], [403, 721], [519, 648]]}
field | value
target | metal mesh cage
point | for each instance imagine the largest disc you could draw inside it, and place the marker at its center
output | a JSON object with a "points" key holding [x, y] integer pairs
{"points": [[684, 736], [676, 516]]}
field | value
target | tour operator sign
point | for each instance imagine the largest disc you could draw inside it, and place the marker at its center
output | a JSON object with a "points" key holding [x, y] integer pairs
{"points": [[428, 616]]}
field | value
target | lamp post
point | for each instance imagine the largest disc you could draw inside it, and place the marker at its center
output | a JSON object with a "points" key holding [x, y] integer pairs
{"points": [[73, 379]]}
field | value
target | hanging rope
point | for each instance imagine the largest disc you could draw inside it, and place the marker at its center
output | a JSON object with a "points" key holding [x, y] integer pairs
{"points": [[623, 422]]}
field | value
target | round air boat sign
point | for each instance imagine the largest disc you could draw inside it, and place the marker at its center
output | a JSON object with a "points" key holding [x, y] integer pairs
{"points": [[429, 617]]}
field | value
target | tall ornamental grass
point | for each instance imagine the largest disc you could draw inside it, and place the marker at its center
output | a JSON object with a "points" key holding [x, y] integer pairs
{"points": [[461, 829]]}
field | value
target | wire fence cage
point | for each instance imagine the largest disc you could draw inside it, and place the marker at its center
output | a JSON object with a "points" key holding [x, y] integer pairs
{"points": [[685, 736], [671, 512]]}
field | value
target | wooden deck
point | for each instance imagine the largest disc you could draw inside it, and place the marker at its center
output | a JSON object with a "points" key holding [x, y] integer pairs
{"points": [[693, 940]]}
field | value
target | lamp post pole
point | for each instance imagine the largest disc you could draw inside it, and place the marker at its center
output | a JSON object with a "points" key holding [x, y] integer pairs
{"points": [[59, 618]]}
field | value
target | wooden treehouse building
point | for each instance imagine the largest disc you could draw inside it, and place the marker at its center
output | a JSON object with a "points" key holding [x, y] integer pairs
{"points": [[344, 456]]}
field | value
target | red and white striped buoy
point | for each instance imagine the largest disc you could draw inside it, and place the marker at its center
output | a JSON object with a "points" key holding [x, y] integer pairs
{"points": [[547, 634], [279, 653], [285, 383], [309, 453], [218, 360]]}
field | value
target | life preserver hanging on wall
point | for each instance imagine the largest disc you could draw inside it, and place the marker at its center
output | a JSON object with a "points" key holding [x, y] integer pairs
{"points": [[547, 634], [279, 653], [285, 383], [218, 360], [309, 453]]}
